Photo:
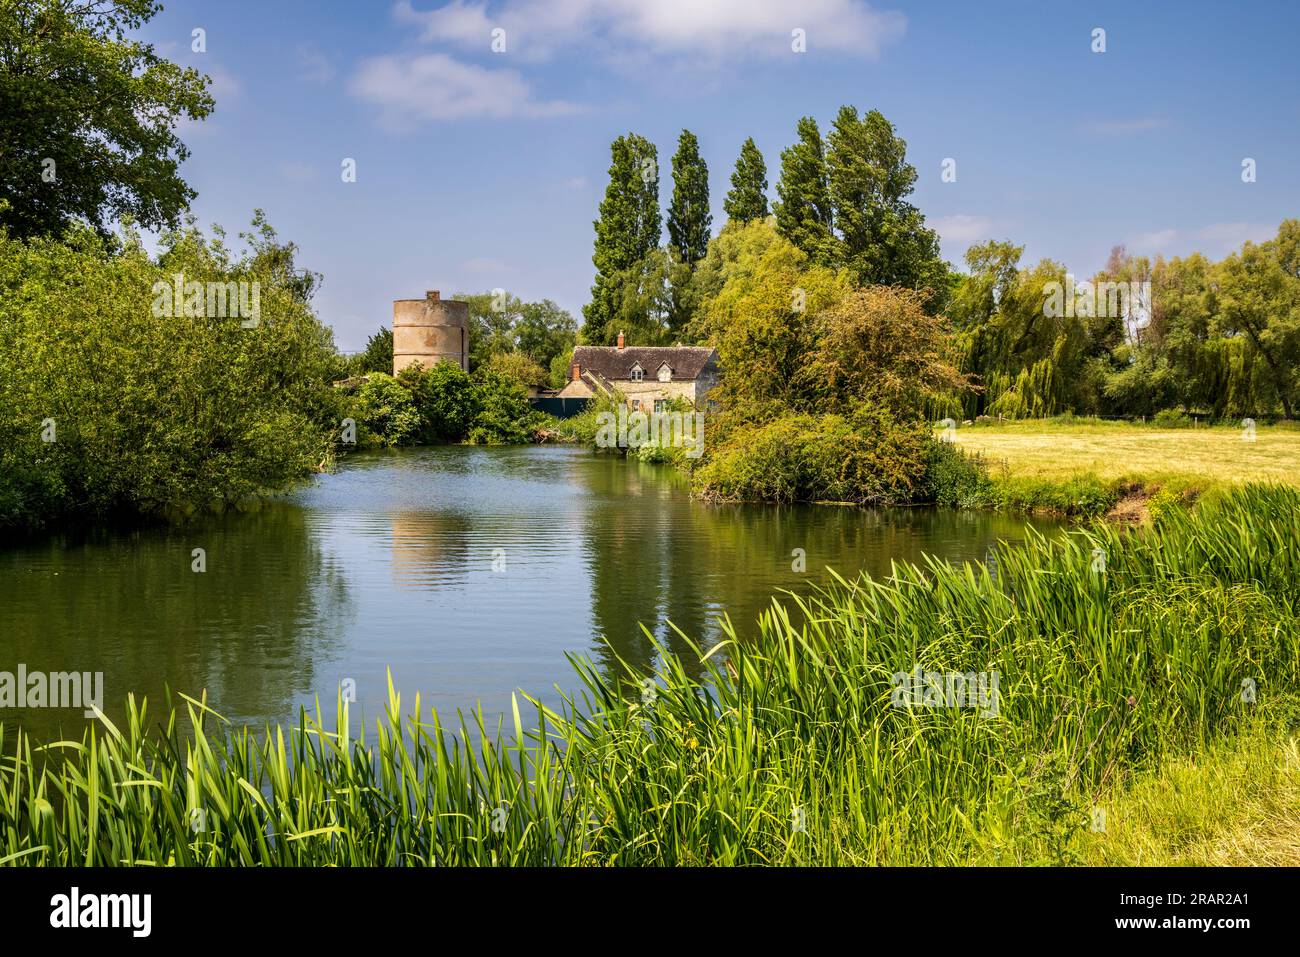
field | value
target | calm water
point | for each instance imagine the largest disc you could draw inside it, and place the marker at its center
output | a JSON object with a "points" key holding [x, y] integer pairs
{"points": [[469, 572]]}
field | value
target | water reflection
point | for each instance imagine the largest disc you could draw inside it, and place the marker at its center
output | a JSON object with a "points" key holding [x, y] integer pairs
{"points": [[468, 572], [248, 630]]}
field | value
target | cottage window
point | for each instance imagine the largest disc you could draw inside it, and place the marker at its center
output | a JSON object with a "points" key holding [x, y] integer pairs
{"points": [[637, 374], [661, 405], [665, 373]]}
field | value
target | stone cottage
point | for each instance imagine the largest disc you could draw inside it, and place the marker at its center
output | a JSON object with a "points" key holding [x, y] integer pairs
{"points": [[648, 376]]}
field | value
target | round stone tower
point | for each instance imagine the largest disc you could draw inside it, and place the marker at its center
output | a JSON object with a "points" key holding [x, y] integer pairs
{"points": [[430, 330]]}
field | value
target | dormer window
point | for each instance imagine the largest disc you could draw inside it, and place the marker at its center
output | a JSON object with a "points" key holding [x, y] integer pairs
{"points": [[665, 373], [637, 373]]}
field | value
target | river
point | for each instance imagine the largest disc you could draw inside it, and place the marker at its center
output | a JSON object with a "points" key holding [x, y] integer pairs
{"points": [[469, 572]]}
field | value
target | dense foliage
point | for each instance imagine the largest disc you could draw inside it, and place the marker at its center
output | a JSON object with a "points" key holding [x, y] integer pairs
{"points": [[1218, 339], [443, 403], [110, 405], [627, 230], [824, 383], [88, 118], [501, 323]]}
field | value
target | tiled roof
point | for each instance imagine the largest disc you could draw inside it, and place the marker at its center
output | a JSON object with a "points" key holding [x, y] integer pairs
{"points": [[686, 362]]}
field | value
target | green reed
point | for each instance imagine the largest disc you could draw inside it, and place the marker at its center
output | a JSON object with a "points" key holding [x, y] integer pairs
{"points": [[1112, 649]]}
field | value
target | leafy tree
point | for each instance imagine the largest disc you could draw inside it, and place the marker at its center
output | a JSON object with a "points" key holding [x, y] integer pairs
{"points": [[627, 230], [544, 331], [152, 409], [688, 230], [688, 213], [747, 199], [760, 319], [879, 347], [804, 214], [519, 368], [883, 238], [561, 370], [378, 354], [492, 319], [504, 415], [644, 308], [1259, 295], [445, 399], [87, 118]]}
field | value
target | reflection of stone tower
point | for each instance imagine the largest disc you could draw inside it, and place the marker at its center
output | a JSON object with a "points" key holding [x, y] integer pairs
{"points": [[430, 330]]}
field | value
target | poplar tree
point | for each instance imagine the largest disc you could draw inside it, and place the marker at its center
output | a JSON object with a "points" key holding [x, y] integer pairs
{"points": [[748, 197], [883, 238], [688, 213], [627, 231], [803, 214]]}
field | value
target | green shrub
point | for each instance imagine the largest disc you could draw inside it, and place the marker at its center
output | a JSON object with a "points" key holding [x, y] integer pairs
{"points": [[152, 410], [445, 398], [1171, 419], [867, 459], [1083, 496], [955, 479], [387, 410], [504, 414]]}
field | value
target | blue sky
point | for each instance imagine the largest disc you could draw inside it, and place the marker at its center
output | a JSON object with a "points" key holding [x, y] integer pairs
{"points": [[478, 169]]}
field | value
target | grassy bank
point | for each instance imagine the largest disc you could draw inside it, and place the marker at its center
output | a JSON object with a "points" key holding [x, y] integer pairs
{"points": [[1086, 467], [1181, 639]]}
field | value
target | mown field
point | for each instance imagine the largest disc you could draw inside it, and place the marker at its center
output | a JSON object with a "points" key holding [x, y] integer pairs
{"points": [[1113, 450], [1143, 711]]}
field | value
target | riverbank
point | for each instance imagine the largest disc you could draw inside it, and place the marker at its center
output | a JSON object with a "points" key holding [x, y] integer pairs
{"points": [[1126, 471], [1086, 663]]}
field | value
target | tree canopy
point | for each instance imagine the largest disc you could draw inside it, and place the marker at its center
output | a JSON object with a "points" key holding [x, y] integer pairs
{"points": [[88, 118]]}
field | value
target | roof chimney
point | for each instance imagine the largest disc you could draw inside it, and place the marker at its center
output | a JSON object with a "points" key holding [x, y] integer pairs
{"points": [[620, 340], [577, 372], [433, 295]]}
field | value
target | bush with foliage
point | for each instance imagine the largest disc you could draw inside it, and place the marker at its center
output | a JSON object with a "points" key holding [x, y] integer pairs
{"points": [[504, 414], [377, 356], [387, 411], [112, 402], [445, 398], [867, 458], [955, 479]]}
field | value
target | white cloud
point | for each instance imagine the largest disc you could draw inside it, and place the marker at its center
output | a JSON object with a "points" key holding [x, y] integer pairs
{"points": [[485, 266], [313, 65], [961, 228], [1125, 127], [1232, 235], [409, 89], [715, 29], [1215, 240]]}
